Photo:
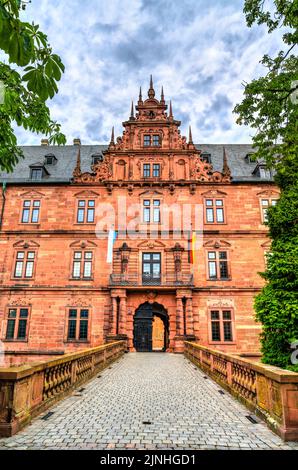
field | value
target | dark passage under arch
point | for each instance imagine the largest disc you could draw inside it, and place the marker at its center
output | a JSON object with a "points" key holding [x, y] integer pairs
{"points": [[151, 328]]}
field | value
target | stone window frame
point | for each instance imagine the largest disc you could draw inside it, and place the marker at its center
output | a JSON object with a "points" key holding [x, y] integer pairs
{"points": [[15, 339], [32, 200], [24, 249], [82, 250], [218, 248], [214, 208], [78, 308], [215, 194], [86, 199], [262, 207], [221, 320]]}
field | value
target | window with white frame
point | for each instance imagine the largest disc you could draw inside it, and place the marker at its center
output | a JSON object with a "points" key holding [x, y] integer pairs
{"points": [[24, 264], [82, 264], [214, 211]]}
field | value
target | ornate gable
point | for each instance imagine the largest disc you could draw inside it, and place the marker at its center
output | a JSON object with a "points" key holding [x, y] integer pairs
{"points": [[151, 136]]}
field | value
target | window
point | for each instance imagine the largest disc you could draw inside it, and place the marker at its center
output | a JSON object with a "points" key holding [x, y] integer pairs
{"points": [[151, 267], [96, 159], [146, 170], [77, 325], [24, 266], [264, 173], [30, 212], [214, 211], [50, 159], [265, 204], [155, 140], [82, 264], [221, 325], [218, 265], [17, 324], [206, 157], [156, 170], [85, 211], [36, 173], [156, 211], [146, 210], [151, 210], [147, 140]]}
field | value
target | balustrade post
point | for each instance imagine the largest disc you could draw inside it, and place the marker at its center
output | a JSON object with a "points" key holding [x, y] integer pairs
{"points": [[114, 316], [211, 362], [73, 372], [189, 317], [179, 317], [123, 312], [229, 372]]}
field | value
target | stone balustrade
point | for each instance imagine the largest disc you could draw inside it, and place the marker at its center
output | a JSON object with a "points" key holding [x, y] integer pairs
{"points": [[26, 391], [270, 392]]}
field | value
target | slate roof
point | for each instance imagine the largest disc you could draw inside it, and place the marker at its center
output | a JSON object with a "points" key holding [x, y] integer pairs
{"points": [[61, 171]]}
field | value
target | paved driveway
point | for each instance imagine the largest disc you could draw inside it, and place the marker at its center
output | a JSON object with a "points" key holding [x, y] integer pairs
{"points": [[148, 401]]}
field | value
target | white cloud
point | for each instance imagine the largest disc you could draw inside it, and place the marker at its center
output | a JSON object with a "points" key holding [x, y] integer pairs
{"points": [[201, 55]]}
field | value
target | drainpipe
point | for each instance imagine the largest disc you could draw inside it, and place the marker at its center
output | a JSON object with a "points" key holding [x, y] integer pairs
{"points": [[3, 203]]}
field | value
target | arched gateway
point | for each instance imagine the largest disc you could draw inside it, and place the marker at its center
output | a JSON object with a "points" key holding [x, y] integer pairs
{"points": [[151, 328]]}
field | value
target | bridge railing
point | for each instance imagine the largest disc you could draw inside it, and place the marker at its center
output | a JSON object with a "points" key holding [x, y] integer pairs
{"points": [[26, 391], [268, 391]]}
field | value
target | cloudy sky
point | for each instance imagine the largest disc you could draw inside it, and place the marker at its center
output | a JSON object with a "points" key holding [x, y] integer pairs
{"points": [[199, 50]]}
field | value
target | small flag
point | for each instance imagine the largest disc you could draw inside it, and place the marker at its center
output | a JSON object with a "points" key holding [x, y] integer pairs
{"points": [[3, 187], [192, 248], [111, 240]]}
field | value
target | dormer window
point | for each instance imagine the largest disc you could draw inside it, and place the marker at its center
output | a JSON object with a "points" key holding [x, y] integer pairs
{"points": [[96, 158], [206, 157], [262, 172], [50, 159], [250, 157], [36, 173]]}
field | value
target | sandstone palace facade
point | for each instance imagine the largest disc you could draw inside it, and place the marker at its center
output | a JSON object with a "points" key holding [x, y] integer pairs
{"points": [[59, 293]]}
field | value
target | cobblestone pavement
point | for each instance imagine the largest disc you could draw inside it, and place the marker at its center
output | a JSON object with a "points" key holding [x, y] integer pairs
{"points": [[185, 411]]}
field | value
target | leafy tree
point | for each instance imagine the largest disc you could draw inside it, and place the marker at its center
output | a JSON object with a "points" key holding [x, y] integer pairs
{"points": [[270, 106], [28, 84]]}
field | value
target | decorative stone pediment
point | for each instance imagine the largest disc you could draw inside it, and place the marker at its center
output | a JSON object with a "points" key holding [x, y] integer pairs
{"points": [[151, 244], [220, 303], [19, 302], [217, 244], [268, 193], [26, 244], [83, 244], [32, 194], [266, 244], [87, 193], [214, 193]]}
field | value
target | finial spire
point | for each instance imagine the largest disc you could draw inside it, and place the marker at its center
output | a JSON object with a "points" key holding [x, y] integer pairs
{"points": [[112, 137], [140, 97], [225, 168], [162, 97], [151, 92], [77, 171], [171, 109], [132, 111], [190, 136]]}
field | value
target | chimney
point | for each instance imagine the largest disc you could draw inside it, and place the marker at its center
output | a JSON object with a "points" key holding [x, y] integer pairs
{"points": [[44, 142], [77, 141]]}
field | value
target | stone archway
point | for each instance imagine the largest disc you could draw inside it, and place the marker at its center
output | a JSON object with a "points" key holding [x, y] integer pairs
{"points": [[151, 328]]}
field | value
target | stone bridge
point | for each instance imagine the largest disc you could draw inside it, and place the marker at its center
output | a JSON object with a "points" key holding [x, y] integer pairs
{"points": [[137, 401]]}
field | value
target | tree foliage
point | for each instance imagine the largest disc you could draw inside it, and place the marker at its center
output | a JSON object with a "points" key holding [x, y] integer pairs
{"points": [[27, 84], [270, 106]]}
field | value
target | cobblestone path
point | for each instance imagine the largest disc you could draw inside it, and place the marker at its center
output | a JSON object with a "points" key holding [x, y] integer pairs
{"points": [[185, 411]]}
